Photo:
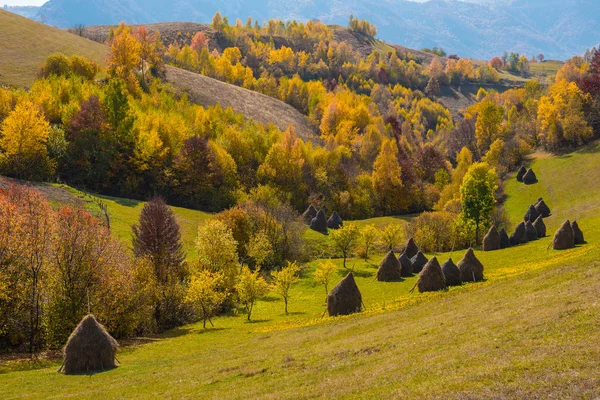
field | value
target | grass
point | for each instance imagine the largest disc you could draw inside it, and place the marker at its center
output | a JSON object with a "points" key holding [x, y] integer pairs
{"points": [[530, 330], [26, 44]]}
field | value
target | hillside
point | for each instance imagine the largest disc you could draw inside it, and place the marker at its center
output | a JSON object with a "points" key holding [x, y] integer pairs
{"points": [[501, 338], [476, 29], [263, 109], [26, 44]]}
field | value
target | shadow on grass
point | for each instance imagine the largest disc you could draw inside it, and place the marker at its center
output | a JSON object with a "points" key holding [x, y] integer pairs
{"points": [[270, 299], [210, 330], [362, 274], [257, 321], [174, 333], [92, 373]]}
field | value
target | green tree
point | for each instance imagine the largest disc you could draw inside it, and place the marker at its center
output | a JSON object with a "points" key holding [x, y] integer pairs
{"points": [[250, 287], [391, 236], [344, 239], [477, 195], [204, 294], [284, 279]]}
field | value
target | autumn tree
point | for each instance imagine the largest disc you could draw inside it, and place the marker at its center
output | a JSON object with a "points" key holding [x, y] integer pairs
{"points": [[199, 42], [284, 279], [344, 239], [367, 239], [477, 196], [205, 294], [496, 63], [324, 274], [23, 138], [387, 178], [249, 288], [150, 48], [488, 125], [124, 56], [391, 236], [217, 251]]}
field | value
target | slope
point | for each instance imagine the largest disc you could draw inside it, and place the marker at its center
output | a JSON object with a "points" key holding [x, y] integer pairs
{"points": [[529, 331], [263, 109], [26, 44]]}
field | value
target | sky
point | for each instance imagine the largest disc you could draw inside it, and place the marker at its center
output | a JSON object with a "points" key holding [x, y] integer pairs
{"points": [[23, 2]]}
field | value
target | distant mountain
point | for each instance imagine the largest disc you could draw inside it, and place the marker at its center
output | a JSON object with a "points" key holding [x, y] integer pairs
{"points": [[472, 28]]}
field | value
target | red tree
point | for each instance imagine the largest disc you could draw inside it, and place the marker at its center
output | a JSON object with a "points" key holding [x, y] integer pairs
{"points": [[496, 63], [199, 42]]}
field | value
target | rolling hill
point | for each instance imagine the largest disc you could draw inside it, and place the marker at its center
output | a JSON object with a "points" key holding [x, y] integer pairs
{"points": [[498, 339], [475, 29], [26, 44]]}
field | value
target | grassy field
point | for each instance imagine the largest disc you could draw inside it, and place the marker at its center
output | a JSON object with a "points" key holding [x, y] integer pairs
{"points": [[529, 331], [26, 44]]}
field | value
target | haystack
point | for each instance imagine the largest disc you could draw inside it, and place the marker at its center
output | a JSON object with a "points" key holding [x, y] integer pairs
{"points": [[451, 273], [431, 277], [345, 298], [532, 233], [519, 236], [578, 234], [90, 348], [520, 173], [542, 208], [540, 227], [529, 178], [319, 223], [531, 214], [471, 269], [309, 214], [389, 269], [504, 240], [405, 265], [411, 249], [335, 221], [491, 241], [564, 238], [418, 262]]}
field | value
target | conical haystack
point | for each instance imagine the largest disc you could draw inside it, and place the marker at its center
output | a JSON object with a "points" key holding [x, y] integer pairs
{"points": [[519, 236], [504, 240], [529, 178], [540, 227], [309, 214], [578, 234], [531, 214], [431, 277], [491, 241], [405, 265], [90, 348], [564, 238], [319, 223], [520, 173], [418, 262], [389, 269], [411, 249], [451, 273], [542, 208], [471, 269], [345, 298], [335, 221], [532, 233]]}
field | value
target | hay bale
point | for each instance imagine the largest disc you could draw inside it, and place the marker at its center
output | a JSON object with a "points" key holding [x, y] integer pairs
{"points": [[531, 214], [319, 223], [578, 234], [345, 298], [405, 265], [309, 214], [389, 269], [418, 262], [529, 178], [519, 236], [411, 249], [90, 348], [540, 227], [491, 241], [431, 278], [471, 269], [520, 173], [531, 232], [504, 239], [451, 273], [335, 221], [564, 238], [542, 208]]}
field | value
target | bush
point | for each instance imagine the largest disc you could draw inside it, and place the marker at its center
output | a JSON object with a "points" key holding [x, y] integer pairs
{"points": [[60, 65]]}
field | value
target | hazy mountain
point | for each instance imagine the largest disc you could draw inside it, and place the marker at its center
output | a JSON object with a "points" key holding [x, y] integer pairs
{"points": [[472, 28]]}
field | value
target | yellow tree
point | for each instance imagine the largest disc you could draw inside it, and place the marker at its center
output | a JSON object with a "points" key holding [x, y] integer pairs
{"points": [[387, 181], [324, 274], [284, 279], [217, 251], [204, 294], [488, 124], [250, 287], [124, 56]]}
